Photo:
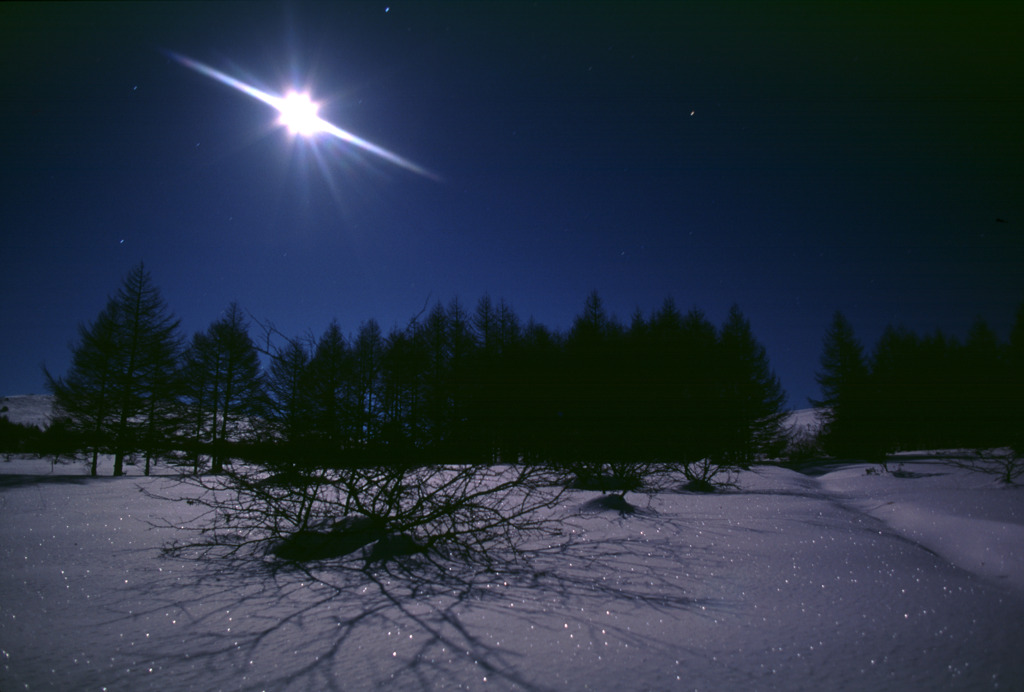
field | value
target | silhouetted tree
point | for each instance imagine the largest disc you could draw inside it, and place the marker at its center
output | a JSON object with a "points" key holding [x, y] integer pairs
{"points": [[896, 389], [403, 368], [489, 383], [149, 378], [658, 372], [600, 397], [845, 408], [751, 396], [982, 389], [367, 355], [87, 395], [438, 411], [23, 437], [696, 371], [332, 391], [534, 399], [224, 388], [121, 388], [589, 392], [485, 325], [289, 384], [1015, 383], [461, 350]]}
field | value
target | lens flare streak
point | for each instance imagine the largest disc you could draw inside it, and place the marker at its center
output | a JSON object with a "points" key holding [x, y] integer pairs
{"points": [[311, 124]]}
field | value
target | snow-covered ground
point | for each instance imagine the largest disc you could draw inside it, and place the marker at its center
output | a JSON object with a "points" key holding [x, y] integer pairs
{"points": [[27, 409], [844, 580]]}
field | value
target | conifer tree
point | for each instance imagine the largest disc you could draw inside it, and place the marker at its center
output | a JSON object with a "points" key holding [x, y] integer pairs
{"points": [[461, 351], [124, 368], [86, 397], [290, 396], [897, 388], [224, 387], [982, 389], [696, 370], [435, 335], [1015, 382], [485, 325], [367, 354], [845, 406], [751, 396], [331, 391], [590, 392]]}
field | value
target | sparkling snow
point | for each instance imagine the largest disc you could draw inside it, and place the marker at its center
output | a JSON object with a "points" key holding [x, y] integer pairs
{"points": [[845, 580]]}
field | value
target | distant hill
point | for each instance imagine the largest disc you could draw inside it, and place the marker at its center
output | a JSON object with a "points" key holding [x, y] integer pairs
{"points": [[802, 420], [31, 409]]}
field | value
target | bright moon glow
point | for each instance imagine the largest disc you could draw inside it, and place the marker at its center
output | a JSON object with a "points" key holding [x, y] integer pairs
{"points": [[299, 115]]}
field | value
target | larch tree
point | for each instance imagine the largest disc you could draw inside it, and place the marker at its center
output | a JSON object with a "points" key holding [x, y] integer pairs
{"points": [[695, 370], [982, 389], [1015, 364], [366, 403], [331, 391], [289, 389], [845, 406], [752, 398], [199, 394], [899, 391], [86, 396], [124, 370], [224, 386], [489, 376]]}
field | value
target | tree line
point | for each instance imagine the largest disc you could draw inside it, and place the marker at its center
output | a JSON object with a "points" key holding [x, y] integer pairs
{"points": [[917, 391], [452, 385]]}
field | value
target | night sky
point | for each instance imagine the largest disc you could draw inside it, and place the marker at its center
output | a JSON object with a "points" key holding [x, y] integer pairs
{"points": [[793, 158]]}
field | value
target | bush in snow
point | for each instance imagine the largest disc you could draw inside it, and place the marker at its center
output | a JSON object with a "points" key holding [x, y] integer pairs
{"points": [[607, 476], [449, 510], [705, 474], [1005, 463]]}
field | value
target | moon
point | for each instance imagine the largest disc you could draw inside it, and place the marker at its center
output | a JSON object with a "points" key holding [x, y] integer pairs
{"points": [[300, 115]]}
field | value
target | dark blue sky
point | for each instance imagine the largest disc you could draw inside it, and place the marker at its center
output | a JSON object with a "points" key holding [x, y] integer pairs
{"points": [[794, 158]]}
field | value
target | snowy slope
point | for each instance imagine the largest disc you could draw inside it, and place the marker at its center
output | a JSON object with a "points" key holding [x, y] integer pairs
{"points": [[967, 518], [802, 421], [843, 581], [28, 409]]}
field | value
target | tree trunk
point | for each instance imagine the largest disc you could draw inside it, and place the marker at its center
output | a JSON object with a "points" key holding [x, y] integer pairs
{"points": [[119, 441]]}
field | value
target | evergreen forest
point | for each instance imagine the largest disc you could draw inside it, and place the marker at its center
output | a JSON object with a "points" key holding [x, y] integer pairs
{"points": [[479, 385]]}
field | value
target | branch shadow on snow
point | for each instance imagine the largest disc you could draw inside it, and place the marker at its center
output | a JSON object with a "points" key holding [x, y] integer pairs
{"points": [[315, 614], [11, 480]]}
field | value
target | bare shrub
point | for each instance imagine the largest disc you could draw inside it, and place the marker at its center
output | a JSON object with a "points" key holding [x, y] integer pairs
{"points": [[452, 510], [704, 475], [1004, 463], [613, 476]]}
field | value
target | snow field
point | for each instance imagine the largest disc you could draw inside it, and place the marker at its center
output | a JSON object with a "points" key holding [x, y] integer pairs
{"points": [[843, 581]]}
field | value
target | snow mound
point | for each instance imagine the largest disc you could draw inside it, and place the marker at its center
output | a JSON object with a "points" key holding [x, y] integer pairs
{"points": [[969, 519], [610, 503]]}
